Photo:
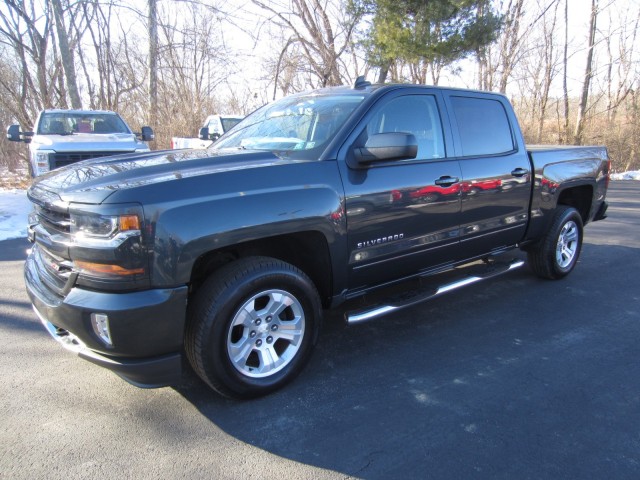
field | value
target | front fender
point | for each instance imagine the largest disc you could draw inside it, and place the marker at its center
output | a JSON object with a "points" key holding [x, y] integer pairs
{"points": [[186, 230]]}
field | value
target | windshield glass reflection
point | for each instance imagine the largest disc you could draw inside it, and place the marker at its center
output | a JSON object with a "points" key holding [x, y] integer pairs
{"points": [[70, 123], [292, 124]]}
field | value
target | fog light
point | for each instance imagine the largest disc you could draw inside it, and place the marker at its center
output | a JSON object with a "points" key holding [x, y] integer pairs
{"points": [[100, 324]]}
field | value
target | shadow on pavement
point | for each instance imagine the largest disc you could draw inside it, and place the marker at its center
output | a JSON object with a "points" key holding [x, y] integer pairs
{"points": [[13, 250], [514, 375]]}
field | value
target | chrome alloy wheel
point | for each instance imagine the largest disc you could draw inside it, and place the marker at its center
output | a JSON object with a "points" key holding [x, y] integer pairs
{"points": [[567, 245], [266, 333]]}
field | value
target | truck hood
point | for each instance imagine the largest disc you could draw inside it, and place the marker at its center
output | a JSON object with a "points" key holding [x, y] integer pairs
{"points": [[88, 142], [93, 181]]}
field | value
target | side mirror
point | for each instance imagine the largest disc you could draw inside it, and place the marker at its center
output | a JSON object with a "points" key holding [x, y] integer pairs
{"points": [[204, 133], [214, 136], [386, 147], [147, 134], [15, 135]]}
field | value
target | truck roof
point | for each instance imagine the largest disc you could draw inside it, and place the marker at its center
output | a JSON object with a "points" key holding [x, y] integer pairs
{"points": [[79, 112], [368, 87]]}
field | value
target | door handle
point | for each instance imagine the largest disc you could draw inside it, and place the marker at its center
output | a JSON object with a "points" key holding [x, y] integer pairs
{"points": [[446, 181], [519, 172]]}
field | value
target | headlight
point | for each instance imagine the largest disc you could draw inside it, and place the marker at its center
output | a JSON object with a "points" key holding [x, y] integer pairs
{"points": [[104, 230], [40, 161], [108, 247]]}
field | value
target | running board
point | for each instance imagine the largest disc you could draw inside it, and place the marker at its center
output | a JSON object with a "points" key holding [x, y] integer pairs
{"points": [[409, 299]]}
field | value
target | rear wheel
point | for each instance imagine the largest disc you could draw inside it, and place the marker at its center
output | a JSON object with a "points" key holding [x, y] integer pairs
{"points": [[431, 197], [558, 251], [253, 326]]}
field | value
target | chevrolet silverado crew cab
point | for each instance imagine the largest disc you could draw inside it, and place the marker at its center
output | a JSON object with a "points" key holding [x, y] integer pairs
{"points": [[227, 257], [62, 137]]}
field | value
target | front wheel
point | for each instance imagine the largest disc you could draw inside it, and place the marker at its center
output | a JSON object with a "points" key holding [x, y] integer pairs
{"points": [[558, 251], [253, 326]]}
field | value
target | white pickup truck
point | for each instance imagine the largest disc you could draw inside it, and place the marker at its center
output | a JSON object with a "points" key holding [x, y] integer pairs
{"points": [[62, 137], [214, 127]]}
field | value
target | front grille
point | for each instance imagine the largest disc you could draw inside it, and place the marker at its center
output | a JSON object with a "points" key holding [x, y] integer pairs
{"points": [[50, 225], [62, 159], [53, 272], [53, 219]]}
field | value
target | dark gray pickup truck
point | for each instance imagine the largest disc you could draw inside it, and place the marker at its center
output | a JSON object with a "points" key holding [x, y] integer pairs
{"points": [[228, 256]]}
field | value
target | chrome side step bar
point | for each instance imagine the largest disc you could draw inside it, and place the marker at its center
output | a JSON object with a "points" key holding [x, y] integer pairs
{"points": [[410, 299]]}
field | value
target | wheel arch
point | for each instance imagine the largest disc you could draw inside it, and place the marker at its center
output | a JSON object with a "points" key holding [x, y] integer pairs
{"points": [[579, 197], [308, 251]]}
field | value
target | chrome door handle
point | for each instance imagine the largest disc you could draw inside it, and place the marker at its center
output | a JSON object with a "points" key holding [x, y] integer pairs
{"points": [[446, 181], [519, 172]]}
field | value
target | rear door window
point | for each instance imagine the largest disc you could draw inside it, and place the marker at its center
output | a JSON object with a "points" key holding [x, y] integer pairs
{"points": [[483, 126]]}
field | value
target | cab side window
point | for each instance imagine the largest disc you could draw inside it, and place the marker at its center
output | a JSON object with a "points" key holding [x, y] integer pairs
{"points": [[416, 114], [483, 126]]}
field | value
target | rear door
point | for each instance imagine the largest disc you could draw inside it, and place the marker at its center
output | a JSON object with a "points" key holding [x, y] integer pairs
{"points": [[402, 216], [496, 173]]}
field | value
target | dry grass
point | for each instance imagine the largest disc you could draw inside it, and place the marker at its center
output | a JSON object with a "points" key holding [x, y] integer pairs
{"points": [[18, 179]]}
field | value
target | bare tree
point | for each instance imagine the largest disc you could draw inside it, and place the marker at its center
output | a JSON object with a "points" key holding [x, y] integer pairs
{"points": [[28, 36], [192, 65], [621, 68], [153, 61], [588, 73], [521, 20], [631, 161], [550, 63], [12, 155], [114, 69], [66, 55], [510, 42], [319, 29], [565, 72]]}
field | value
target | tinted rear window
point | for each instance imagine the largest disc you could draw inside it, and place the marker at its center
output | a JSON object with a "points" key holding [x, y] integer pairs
{"points": [[483, 125]]}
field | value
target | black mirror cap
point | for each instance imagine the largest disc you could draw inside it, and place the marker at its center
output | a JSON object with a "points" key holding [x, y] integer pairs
{"points": [[147, 134], [204, 133], [386, 147]]}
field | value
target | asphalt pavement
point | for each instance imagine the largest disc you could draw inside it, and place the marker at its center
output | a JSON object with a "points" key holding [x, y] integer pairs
{"points": [[513, 378]]}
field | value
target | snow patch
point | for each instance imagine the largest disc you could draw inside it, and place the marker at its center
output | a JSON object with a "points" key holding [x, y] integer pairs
{"points": [[14, 209], [634, 175]]}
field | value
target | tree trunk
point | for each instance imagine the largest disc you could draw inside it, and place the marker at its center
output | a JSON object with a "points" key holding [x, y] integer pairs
{"points": [[153, 62], [588, 73], [511, 43], [565, 61], [66, 55], [384, 71]]}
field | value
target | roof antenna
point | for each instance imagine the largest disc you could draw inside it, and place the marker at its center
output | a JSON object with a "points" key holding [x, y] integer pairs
{"points": [[361, 83]]}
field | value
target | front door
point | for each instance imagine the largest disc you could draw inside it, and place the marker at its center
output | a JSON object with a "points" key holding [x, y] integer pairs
{"points": [[402, 216]]}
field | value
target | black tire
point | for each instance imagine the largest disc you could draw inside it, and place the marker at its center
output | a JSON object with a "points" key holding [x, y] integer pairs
{"points": [[265, 311], [558, 251], [431, 197]]}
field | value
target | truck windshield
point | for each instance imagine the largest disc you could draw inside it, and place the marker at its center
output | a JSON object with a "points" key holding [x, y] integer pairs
{"points": [[229, 122], [68, 123], [292, 124]]}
